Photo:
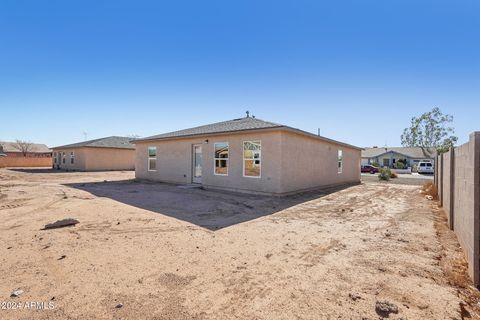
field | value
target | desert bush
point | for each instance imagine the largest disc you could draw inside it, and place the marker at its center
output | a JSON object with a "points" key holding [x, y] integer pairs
{"points": [[375, 164], [430, 190], [400, 165], [393, 175], [385, 174]]}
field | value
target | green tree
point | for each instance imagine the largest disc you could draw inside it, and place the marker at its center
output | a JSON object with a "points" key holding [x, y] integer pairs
{"points": [[431, 129]]}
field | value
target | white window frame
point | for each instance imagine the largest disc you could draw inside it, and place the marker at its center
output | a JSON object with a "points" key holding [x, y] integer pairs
{"points": [[72, 157], [54, 156], [243, 159], [215, 159], [340, 161], [63, 158], [150, 158]]}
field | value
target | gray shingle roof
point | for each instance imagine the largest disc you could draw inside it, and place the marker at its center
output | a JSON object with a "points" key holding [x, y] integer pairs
{"points": [[107, 142], [241, 124], [236, 125], [13, 147], [411, 152]]}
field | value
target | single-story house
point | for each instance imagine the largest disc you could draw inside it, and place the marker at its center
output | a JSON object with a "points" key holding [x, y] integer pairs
{"points": [[24, 154], [247, 155], [387, 157], [110, 153]]}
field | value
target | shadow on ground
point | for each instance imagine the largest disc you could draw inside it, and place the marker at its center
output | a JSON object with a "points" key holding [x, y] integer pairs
{"points": [[36, 170], [206, 208], [51, 170]]}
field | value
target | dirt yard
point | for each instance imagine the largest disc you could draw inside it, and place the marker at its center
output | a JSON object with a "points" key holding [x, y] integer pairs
{"points": [[157, 251]]}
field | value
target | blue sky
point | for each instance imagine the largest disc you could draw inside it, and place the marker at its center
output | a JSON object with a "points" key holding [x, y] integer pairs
{"points": [[359, 70]]}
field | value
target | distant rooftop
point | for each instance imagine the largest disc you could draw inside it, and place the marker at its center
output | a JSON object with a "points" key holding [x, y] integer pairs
{"points": [[411, 152], [236, 125], [13, 147], [107, 142]]}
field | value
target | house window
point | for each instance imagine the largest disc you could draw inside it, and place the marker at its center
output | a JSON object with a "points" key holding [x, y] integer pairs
{"points": [[72, 157], [252, 158], [152, 158], [63, 157], [340, 161], [55, 157], [221, 158]]}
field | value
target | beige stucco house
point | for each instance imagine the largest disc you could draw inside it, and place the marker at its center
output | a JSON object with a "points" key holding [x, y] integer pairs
{"points": [[247, 155], [110, 153]]}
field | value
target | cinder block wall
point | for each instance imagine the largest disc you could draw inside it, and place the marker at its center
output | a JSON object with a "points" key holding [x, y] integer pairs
{"points": [[458, 182], [447, 185], [25, 162], [466, 220], [440, 179]]}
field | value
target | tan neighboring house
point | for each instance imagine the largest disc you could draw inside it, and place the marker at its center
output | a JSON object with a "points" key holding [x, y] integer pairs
{"points": [[35, 155], [110, 153], [247, 155]]}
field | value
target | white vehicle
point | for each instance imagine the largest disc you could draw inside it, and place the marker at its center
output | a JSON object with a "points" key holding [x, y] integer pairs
{"points": [[425, 167]]}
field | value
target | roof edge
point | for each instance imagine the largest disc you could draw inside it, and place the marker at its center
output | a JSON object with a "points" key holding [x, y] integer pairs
{"points": [[97, 147], [279, 127], [205, 134], [88, 142], [315, 136]]}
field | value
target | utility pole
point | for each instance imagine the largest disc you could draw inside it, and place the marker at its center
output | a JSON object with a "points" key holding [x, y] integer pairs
{"points": [[84, 136]]}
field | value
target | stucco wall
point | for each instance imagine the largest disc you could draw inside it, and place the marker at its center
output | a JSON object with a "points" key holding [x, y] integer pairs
{"points": [[310, 163], [98, 159], [79, 159], [289, 162], [174, 162]]}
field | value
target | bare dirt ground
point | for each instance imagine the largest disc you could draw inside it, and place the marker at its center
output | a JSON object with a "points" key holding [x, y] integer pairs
{"points": [[409, 179], [167, 252]]}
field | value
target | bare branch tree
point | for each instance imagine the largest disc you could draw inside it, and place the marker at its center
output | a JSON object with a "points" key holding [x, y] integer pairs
{"points": [[23, 146]]}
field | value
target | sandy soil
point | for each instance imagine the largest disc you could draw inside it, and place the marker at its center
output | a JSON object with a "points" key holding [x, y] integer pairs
{"points": [[418, 180], [169, 252]]}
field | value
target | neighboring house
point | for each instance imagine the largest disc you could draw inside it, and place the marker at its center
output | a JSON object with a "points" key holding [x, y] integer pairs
{"points": [[247, 155], [35, 155], [387, 157], [110, 153]]}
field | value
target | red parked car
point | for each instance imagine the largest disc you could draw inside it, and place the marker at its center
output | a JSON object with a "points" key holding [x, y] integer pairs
{"points": [[369, 169]]}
